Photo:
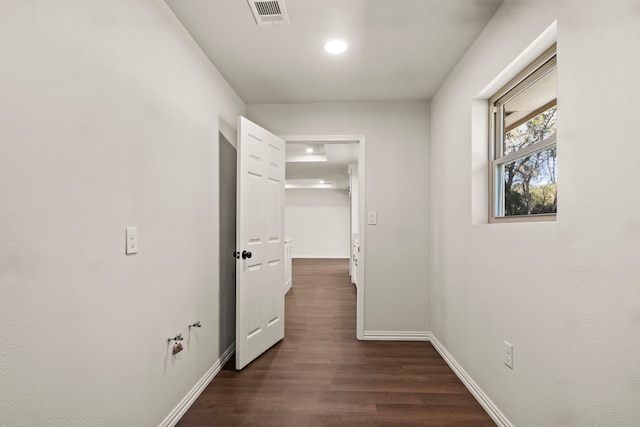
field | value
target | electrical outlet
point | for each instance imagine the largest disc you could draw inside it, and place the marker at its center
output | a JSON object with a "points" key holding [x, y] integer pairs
{"points": [[132, 240], [508, 354]]}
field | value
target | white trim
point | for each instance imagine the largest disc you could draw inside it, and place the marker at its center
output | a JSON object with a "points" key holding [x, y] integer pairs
{"points": [[397, 335], [543, 42], [362, 208], [182, 407], [484, 400], [320, 257], [362, 241], [337, 139]]}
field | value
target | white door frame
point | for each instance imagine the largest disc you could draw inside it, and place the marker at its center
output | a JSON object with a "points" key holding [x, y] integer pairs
{"points": [[362, 217]]}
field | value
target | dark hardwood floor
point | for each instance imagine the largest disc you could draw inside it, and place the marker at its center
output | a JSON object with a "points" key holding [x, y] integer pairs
{"points": [[321, 375]]}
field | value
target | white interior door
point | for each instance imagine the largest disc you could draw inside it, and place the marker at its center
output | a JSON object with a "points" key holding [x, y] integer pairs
{"points": [[259, 242]]}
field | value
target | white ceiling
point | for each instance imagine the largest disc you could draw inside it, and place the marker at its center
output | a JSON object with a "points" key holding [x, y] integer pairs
{"points": [[326, 167], [398, 49]]}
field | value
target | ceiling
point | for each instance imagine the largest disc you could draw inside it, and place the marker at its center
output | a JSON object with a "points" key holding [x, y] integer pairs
{"points": [[398, 49], [326, 167]]}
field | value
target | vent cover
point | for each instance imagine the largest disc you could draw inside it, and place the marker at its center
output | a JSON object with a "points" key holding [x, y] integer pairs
{"points": [[269, 12]]}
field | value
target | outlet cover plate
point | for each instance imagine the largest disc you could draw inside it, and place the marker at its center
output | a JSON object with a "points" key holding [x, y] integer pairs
{"points": [[508, 354], [132, 240]]}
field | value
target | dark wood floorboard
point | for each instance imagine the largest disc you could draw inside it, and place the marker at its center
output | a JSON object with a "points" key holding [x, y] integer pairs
{"points": [[321, 375]]}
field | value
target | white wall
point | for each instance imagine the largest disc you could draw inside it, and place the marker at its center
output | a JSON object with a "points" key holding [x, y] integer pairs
{"points": [[110, 116], [397, 187], [566, 293], [355, 216], [318, 222]]}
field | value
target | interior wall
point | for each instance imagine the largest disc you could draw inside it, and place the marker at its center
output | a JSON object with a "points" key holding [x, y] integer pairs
{"points": [[564, 293], [318, 222], [397, 188], [110, 116], [355, 215], [227, 181]]}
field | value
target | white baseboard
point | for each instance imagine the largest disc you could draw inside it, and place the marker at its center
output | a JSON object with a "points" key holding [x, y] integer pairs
{"points": [[182, 407], [321, 257], [488, 405], [397, 335]]}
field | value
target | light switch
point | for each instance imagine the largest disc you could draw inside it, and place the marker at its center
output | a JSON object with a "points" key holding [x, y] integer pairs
{"points": [[372, 218], [132, 240]]}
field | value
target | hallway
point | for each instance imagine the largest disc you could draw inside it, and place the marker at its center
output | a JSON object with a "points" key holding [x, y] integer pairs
{"points": [[321, 375]]}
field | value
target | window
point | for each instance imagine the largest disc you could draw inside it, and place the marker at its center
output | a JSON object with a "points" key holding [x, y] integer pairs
{"points": [[523, 122]]}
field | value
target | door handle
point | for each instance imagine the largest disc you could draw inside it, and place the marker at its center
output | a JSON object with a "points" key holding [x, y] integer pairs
{"points": [[246, 254], [236, 254]]}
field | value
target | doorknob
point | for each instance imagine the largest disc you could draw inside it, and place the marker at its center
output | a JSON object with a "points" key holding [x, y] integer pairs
{"points": [[236, 254], [246, 254]]}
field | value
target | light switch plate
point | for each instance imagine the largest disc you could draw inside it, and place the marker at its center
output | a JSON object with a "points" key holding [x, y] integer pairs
{"points": [[372, 218], [132, 240]]}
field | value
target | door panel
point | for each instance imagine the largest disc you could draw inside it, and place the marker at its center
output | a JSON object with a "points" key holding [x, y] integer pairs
{"points": [[260, 242]]}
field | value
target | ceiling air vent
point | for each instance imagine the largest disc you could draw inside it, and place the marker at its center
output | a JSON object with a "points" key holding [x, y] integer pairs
{"points": [[269, 12]]}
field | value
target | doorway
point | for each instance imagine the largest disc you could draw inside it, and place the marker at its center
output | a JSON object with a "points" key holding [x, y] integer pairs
{"points": [[227, 228], [313, 150]]}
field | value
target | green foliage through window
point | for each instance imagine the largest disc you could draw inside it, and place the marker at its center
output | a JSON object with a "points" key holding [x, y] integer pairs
{"points": [[530, 185]]}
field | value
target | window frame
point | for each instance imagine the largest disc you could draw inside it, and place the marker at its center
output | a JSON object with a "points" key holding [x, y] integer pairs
{"points": [[529, 76]]}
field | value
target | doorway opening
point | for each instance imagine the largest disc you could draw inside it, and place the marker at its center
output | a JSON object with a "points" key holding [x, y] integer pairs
{"points": [[335, 162], [227, 155]]}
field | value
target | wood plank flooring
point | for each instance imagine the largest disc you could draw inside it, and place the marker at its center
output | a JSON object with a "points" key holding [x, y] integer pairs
{"points": [[321, 375]]}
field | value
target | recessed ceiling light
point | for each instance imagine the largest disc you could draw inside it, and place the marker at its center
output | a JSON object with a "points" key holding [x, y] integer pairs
{"points": [[322, 181], [335, 46], [309, 150]]}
